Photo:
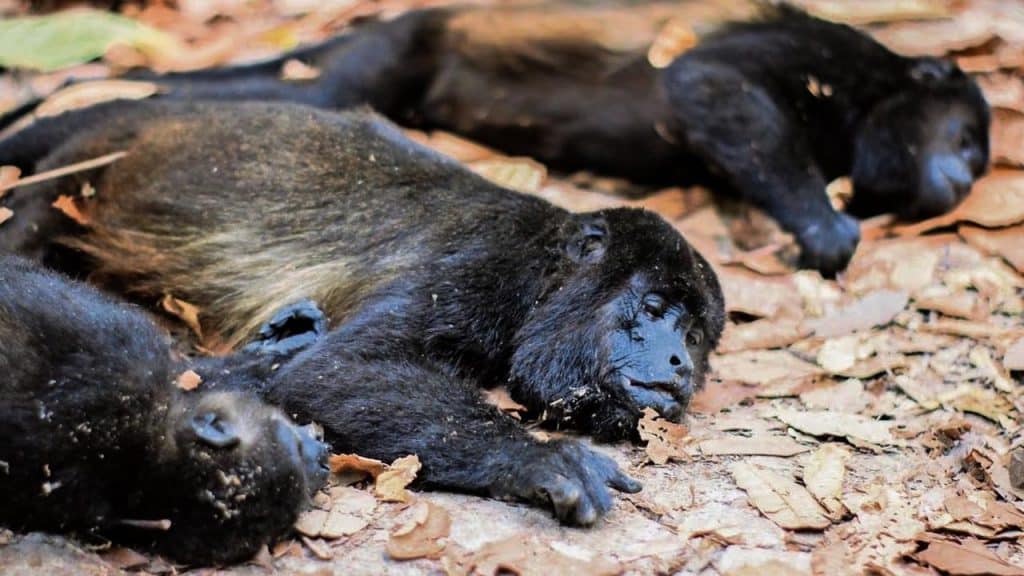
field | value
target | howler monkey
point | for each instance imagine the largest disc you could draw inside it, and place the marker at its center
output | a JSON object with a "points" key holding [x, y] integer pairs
{"points": [[770, 109], [437, 281], [96, 439]]}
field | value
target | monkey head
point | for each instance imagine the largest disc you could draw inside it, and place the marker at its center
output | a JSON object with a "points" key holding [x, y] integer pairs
{"points": [[236, 471], [920, 149], [627, 325]]}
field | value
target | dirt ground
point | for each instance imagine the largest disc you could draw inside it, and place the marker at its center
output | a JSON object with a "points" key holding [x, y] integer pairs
{"points": [[865, 425]]}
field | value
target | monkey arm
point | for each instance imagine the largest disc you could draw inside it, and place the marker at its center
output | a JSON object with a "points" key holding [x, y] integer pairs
{"points": [[374, 393]]}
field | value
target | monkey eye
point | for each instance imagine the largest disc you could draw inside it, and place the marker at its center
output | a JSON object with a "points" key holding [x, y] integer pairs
{"points": [[655, 304], [695, 337]]}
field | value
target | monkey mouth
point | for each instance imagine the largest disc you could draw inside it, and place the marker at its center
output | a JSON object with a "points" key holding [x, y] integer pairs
{"points": [[668, 399]]}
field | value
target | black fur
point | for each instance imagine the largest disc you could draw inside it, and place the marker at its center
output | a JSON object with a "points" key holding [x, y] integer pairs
{"points": [[439, 282], [95, 436], [771, 109]]}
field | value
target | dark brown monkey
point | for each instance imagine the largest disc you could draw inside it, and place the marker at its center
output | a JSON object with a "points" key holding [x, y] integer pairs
{"points": [[770, 109], [96, 439], [438, 282]]}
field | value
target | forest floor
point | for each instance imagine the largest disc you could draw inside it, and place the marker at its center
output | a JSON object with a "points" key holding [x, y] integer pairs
{"points": [[865, 425]]}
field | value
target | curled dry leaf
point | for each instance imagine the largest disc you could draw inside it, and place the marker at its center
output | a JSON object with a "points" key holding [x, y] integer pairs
{"points": [[1007, 134], [876, 308], [665, 440], [762, 366], [390, 484], [871, 11], [84, 94], [341, 463], [8, 176], [527, 555], [781, 499], [187, 313], [740, 446], [1007, 243], [971, 557], [499, 397], [855, 428], [762, 334], [69, 207], [5, 214], [189, 380], [423, 536], [824, 473], [674, 38], [294, 70], [520, 174], [750, 293], [1013, 359]]}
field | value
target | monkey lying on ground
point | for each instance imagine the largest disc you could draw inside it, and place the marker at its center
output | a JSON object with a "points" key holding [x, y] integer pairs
{"points": [[439, 282], [771, 109], [96, 439]]}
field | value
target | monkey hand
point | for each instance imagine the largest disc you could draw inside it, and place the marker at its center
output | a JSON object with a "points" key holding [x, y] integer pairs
{"points": [[571, 478], [828, 243]]}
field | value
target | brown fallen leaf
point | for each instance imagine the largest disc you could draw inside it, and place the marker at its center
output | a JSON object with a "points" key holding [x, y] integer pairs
{"points": [[1013, 359], [675, 38], [5, 214], [423, 536], [341, 463], [311, 522], [187, 313], [877, 308], [996, 200], [720, 395], [83, 94], [8, 176], [1007, 243], [390, 484], [294, 70], [846, 396], [938, 37], [754, 294], [781, 499], [970, 557], [189, 380], [528, 555], [853, 427], [872, 11], [1006, 135], [125, 558], [69, 207], [1016, 468], [762, 366], [665, 440], [824, 473], [741, 446], [318, 547], [520, 174], [499, 397], [454, 146], [762, 334], [961, 303]]}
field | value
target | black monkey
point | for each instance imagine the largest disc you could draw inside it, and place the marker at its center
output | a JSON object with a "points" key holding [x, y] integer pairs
{"points": [[439, 282], [95, 438], [771, 109]]}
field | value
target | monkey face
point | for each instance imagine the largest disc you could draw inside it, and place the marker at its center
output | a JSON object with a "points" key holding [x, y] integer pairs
{"points": [[630, 328], [919, 152], [651, 348], [237, 468]]}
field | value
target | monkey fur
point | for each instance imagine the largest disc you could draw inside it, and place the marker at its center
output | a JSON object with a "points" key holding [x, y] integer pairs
{"points": [[770, 109], [96, 439], [437, 283]]}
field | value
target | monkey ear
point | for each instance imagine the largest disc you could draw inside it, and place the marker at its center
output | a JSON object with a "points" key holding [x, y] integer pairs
{"points": [[214, 430], [932, 70], [588, 241]]}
